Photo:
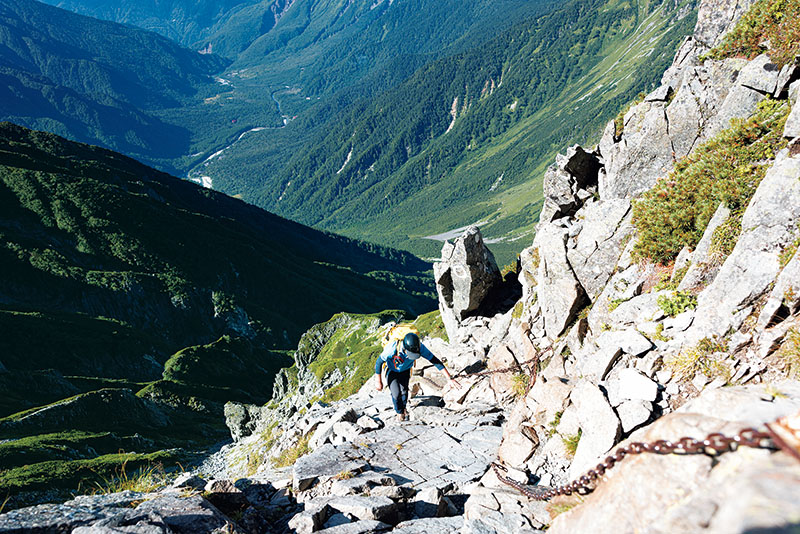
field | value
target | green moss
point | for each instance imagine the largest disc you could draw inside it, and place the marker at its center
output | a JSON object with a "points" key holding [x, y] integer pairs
{"points": [[519, 307], [726, 169]]}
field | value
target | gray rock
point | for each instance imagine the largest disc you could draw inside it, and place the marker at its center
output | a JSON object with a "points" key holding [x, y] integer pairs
{"points": [[769, 224], [309, 469], [429, 503], [600, 425], [715, 18], [629, 340], [559, 292], [638, 309], [311, 520], [358, 527], [661, 94], [785, 296], [680, 322], [563, 180], [368, 423], [465, 275], [600, 362], [364, 508], [189, 481], [327, 430], [787, 74], [361, 484], [336, 520], [634, 162], [632, 414], [437, 525], [792, 128], [600, 243], [634, 385], [761, 74], [127, 521]]}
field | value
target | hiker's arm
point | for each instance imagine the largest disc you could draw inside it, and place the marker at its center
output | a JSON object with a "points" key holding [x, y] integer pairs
{"points": [[428, 355], [378, 365]]}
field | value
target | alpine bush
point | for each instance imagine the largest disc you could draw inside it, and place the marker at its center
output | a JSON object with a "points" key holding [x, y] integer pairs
{"points": [[727, 168]]}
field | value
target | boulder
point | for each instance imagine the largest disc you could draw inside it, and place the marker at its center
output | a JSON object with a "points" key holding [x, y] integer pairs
{"points": [[465, 275], [225, 496], [563, 181], [559, 293], [632, 414], [357, 527], [599, 244], [600, 425], [634, 385], [792, 128], [327, 430]]}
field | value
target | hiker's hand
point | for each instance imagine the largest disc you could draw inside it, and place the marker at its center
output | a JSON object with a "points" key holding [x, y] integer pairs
{"points": [[455, 382], [379, 386]]}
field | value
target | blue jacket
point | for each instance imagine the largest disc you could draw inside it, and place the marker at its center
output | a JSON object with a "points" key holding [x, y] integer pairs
{"points": [[400, 360]]}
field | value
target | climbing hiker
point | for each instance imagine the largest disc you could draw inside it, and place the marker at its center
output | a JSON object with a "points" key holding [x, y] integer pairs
{"points": [[399, 357]]}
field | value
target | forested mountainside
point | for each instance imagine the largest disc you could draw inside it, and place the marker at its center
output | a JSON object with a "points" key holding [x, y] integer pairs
{"points": [[118, 276], [466, 138], [183, 21]]}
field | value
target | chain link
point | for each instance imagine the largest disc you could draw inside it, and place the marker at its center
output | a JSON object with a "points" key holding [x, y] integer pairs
{"points": [[713, 444]]}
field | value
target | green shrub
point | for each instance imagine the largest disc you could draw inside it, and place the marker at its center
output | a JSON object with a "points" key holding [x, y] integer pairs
{"points": [[724, 238], [726, 169], [571, 443], [679, 302], [519, 384], [776, 21]]}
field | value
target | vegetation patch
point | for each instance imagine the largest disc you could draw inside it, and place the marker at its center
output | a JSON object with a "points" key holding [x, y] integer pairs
{"points": [[571, 443], [724, 238], [519, 384], [726, 169], [290, 455], [773, 21], [679, 302], [789, 353], [431, 325], [707, 357]]}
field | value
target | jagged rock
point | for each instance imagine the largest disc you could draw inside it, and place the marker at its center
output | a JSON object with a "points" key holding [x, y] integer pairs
{"points": [[368, 423], [243, 419], [761, 74], [311, 468], [438, 525], [358, 527], [361, 484], [661, 94], [465, 275], [679, 323], [695, 493], [632, 414], [633, 385], [600, 426], [559, 292], [704, 263], [638, 309], [429, 503], [310, 520], [629, 340], [336, 520], [768, 225], [787, 75], [327, 430], [785, 296], [702, 92], [792, 128], [715, 18], [600, 362], [226, 496], [643, 153], [501, 358], [576, 171], [600, 243], [189, 481], [364, 508]]}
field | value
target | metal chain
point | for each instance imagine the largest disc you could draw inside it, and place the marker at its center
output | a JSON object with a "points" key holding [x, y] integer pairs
{"points": [[713, 444]]}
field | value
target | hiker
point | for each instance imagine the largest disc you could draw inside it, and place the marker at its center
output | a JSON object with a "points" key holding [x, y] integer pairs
{"points": [[399, 357]]}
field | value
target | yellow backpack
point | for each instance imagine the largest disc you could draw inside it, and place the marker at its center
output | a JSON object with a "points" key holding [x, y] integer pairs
{"points": [[398, 332]]}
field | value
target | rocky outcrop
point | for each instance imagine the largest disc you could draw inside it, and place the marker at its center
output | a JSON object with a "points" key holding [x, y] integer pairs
{"points": [[466, 274]]}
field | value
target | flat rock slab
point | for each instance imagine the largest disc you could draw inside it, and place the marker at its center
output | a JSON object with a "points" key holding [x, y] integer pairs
{"points": [[358, 527], [413, 453], [439, 525]]}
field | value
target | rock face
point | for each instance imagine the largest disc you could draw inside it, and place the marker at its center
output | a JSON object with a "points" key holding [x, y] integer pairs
{"points": [[465, 275]]}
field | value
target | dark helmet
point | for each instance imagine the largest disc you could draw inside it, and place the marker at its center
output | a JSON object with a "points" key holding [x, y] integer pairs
{"points": [[411, 343]]}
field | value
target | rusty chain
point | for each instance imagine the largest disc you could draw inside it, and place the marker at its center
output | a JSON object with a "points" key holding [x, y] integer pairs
{"points": [[713, 444]]}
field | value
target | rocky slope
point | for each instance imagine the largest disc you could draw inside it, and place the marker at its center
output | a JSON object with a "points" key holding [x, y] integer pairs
{"points": [[598, 350]]}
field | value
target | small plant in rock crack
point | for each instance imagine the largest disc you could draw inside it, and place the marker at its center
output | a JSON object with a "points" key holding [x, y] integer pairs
{"points": [[707, 357], [345, 475], [519, 384], [571, 442], [554, 424], [679, 302], [789, 353]]}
